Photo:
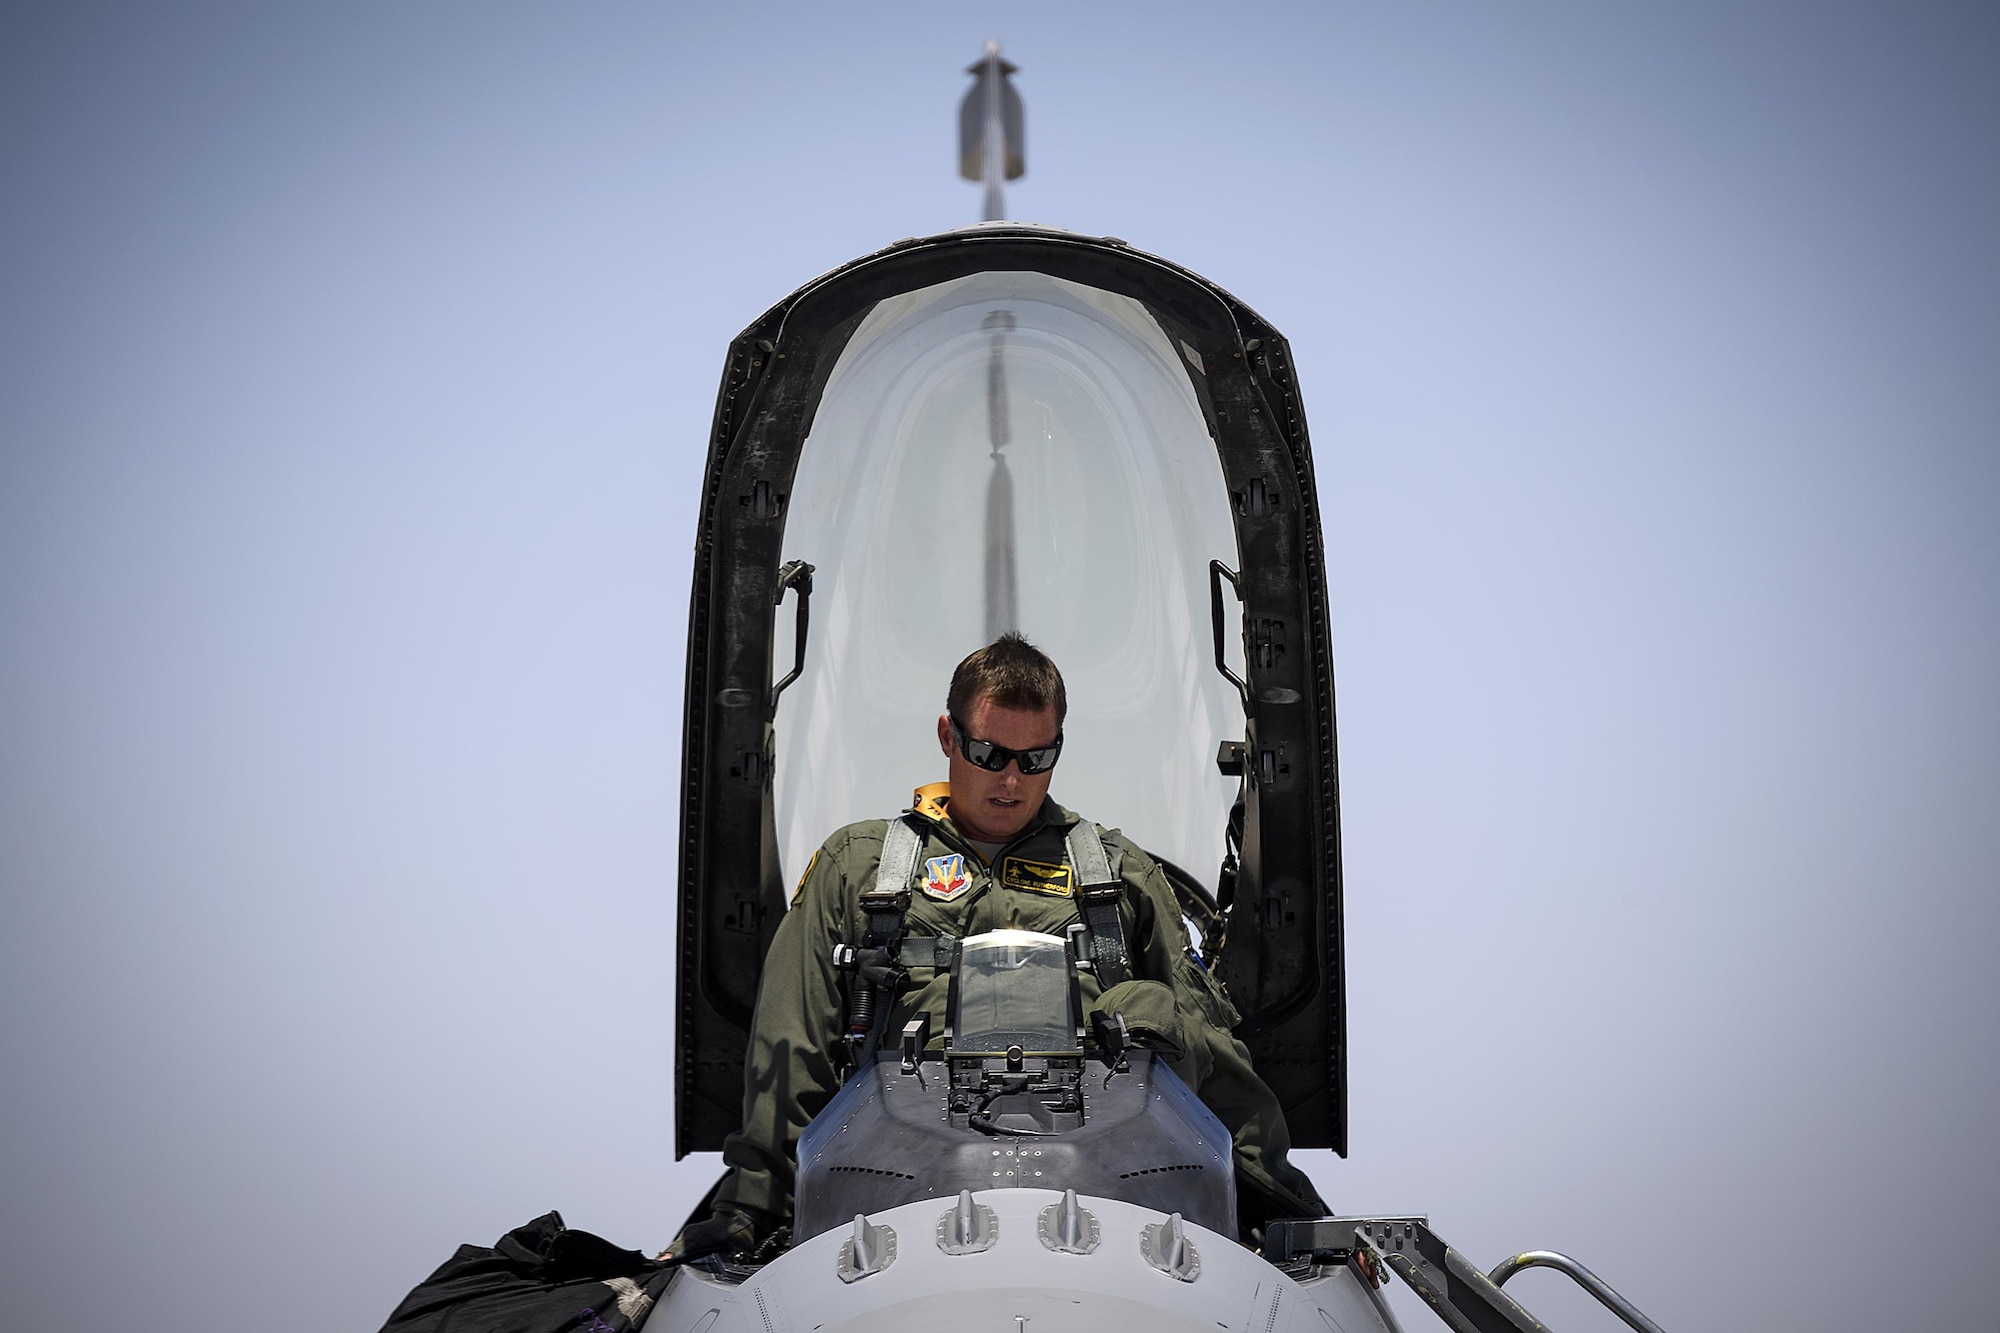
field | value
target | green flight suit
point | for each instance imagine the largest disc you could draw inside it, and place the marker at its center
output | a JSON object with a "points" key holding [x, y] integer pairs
{"points": [[797, 1038]]}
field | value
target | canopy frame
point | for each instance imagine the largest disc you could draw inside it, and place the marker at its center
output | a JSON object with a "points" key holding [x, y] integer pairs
{"points": [[1282, 956]]}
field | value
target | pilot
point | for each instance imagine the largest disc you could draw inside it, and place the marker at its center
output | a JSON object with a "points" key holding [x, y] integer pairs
{"points": [[992, 852]]}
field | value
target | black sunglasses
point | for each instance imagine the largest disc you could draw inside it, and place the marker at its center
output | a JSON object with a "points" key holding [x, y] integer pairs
{"points": [[994, 758]]}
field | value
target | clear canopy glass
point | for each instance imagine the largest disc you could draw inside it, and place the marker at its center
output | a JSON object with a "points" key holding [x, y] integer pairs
{"points": [[1010, 450], [1013, 990]]}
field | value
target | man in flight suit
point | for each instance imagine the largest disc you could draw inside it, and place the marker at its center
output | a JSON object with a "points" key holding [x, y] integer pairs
{"points": [[991, 855]]}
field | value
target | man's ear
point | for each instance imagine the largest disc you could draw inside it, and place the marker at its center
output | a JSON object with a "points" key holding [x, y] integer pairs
{"points": [[944, 733]]}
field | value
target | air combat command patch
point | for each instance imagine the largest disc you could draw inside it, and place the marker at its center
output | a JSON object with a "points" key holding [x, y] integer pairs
{"points": [[945, 877], [1035, 876]]}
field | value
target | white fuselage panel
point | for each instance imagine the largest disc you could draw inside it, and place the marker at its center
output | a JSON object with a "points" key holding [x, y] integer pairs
{"points": [[1019, 1284]]}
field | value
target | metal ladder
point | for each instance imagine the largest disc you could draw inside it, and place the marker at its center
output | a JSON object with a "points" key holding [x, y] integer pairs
{"points": [[1465, 1298]]}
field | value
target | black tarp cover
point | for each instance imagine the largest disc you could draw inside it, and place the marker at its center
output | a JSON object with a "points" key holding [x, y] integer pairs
{"points": [[538, 1278]]}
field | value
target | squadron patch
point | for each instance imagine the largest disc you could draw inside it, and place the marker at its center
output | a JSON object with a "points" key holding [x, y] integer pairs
{"points": [[800, 891], [945, 877], [1035, 876]]}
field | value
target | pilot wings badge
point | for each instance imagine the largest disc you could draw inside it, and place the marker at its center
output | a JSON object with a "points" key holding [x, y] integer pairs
{"points": [[945, 877]]}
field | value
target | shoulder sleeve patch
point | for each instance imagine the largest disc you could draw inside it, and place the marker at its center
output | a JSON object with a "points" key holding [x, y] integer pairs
{"points": [[800, 891]]}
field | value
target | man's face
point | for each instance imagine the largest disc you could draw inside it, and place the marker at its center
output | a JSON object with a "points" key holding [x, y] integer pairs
{"points": [[995, 807]]}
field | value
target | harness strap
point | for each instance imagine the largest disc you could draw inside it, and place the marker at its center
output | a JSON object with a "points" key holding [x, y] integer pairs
{"points": [[885, 912], [1097, 892], [885, 906], [927, 951], [900, 845]]}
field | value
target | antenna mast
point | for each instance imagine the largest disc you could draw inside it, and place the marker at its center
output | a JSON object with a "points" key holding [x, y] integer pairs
{"points": [[990, 146]]}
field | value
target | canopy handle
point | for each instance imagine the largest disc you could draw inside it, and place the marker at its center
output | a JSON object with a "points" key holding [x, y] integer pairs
{"points": [[1217, 572], [798, 576]]}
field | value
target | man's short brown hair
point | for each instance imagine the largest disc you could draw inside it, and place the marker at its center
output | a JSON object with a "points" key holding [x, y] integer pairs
{"points": [[1009, 672]]}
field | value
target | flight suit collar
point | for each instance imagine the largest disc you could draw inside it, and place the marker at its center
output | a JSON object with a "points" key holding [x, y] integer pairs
{"points": [[932, 803]]}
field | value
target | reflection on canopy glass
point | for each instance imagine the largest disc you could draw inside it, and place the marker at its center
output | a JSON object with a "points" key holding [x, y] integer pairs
{"points": [[1009, 450], [1013, 990]]}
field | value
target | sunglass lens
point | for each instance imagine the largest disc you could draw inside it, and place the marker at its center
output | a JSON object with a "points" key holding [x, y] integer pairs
{"points": [[995, 758]]}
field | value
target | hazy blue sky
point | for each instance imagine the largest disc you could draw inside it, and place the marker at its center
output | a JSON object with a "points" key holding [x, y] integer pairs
{"points": [[357, 364]]}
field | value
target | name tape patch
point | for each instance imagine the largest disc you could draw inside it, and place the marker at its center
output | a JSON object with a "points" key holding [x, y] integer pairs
{"points": [[1018, 872]]}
